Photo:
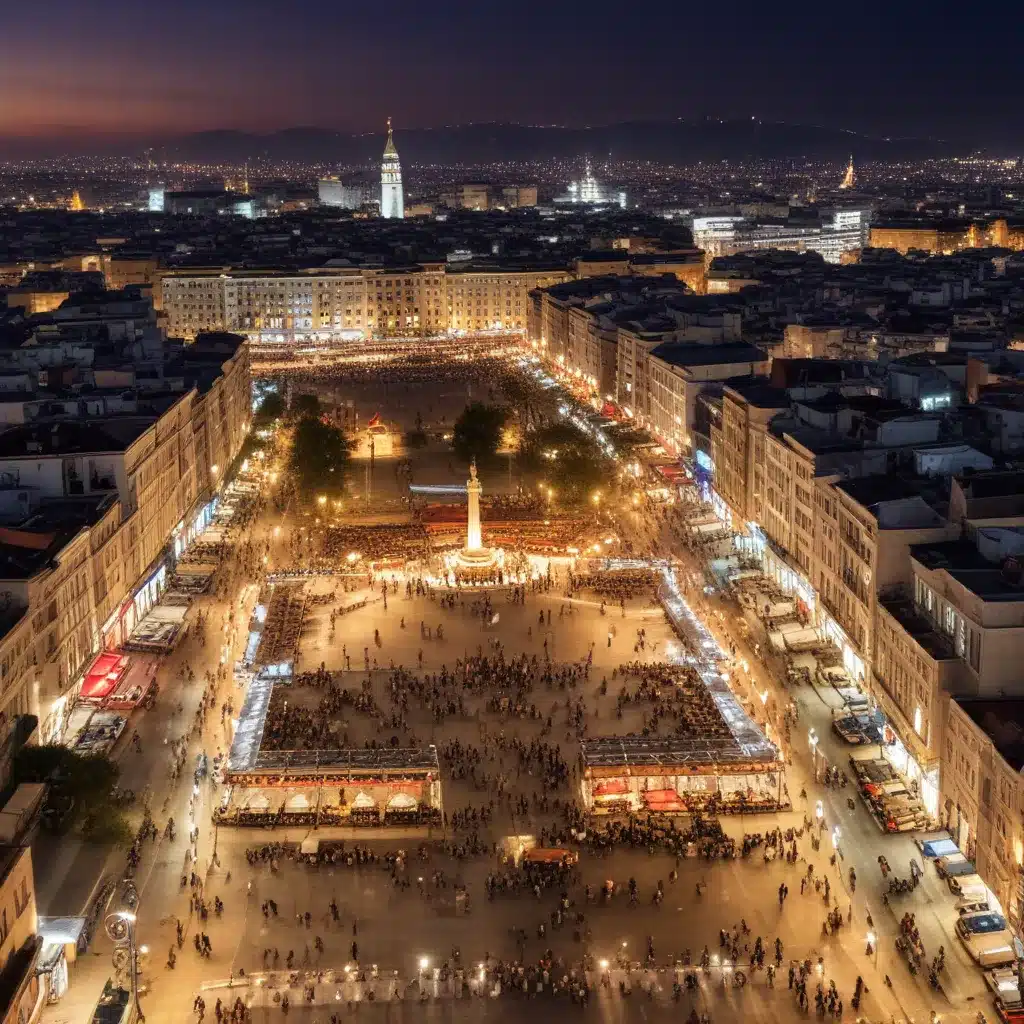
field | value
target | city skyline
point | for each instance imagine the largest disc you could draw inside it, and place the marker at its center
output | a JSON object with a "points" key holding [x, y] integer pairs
{"points": [[260, 67]]}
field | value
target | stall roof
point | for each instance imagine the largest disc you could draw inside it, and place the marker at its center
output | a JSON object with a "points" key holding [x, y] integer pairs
{"points": [[638, 751], [348, 761], [247, 757]]}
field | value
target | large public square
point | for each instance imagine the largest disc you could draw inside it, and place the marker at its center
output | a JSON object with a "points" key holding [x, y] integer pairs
{"points": [[507, 683]]}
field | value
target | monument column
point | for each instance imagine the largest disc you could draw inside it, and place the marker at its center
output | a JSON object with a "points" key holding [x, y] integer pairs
{"points": [[473, 538]]}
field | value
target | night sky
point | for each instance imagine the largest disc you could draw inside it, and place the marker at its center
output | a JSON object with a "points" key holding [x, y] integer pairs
{"points": [[112, 66]]}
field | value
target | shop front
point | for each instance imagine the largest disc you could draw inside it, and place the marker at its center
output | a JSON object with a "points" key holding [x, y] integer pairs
{"points": [[907, 752], [122, 621], [788, 580], [188, 530]]}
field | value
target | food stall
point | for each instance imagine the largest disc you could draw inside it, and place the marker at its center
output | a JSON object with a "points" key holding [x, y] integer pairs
{"points": [[675, 775]]}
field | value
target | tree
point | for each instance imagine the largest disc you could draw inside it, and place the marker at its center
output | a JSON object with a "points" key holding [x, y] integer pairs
{"points": [[270, 408], [519, 394], [569, 462], [320, 457], [477, 432], [88, 780], [305, 405]]}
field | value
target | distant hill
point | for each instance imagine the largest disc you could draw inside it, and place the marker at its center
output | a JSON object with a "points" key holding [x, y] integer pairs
{"points": [[677, 142]]}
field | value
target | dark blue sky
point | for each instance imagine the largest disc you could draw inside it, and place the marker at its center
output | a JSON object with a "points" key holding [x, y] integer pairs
{"points": [[887, 67]]}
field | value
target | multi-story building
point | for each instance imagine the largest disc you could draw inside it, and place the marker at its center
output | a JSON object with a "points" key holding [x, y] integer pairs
{"points": [[419, 299], [946, 236], [25, 989], [94, 485], [983, 791], [843, 232], [738, 444], [676, 372], [333, 192]]}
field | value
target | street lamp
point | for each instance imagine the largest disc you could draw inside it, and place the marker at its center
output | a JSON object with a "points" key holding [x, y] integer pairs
{"points": [[120, 928], [872, 946], [812, 739]]}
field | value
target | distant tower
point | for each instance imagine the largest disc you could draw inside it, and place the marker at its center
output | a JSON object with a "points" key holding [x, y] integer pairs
{"points": [[850, 178], [75, 202], [245, 179], [392, 202]]}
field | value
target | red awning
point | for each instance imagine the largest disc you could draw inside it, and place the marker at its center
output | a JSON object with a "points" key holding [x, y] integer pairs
{"points": [[612, 787], [663, 799], [102, 677]]}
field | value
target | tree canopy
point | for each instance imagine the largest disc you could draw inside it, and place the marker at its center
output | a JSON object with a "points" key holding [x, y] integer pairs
{"points": [[320, 457], [478, 431], [270, 408], [305, 405], [88, 780], [566, 460]]}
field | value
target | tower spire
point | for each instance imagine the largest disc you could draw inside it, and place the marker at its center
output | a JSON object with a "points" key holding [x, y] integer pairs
{"points": [[391, 197], [850, 178]]}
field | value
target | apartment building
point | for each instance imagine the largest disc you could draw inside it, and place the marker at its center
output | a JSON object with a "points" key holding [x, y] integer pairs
{"points": [[194, 302], [945, 236], [983, 792], [92, 493], [420, 299], [738, 445], [676, 372], [24, 990], [914, 664], [481, 300]]}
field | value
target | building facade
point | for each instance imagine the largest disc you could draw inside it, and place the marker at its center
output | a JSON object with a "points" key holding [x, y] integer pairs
{"points": [[421, 299]]}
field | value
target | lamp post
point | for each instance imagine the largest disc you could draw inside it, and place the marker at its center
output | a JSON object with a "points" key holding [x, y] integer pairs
{"points": [[812, 739], [120, 927]]}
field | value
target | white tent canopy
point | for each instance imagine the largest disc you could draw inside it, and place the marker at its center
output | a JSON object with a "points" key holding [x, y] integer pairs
{"points": [[402, 802]]}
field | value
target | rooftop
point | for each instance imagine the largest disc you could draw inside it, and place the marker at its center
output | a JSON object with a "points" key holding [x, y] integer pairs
{"points": [[760, 394], [1002, 720], [919, 628], [994, 483], [965, 564], [679, 353], [69, 437]]}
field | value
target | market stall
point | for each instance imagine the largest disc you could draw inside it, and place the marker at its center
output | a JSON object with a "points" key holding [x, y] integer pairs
{"points": [[103, 676], [160, 631], [672, 776], [317, 788]]}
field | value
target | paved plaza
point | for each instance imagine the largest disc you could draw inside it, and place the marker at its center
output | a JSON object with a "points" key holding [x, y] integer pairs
{"points": [[409, 920]]}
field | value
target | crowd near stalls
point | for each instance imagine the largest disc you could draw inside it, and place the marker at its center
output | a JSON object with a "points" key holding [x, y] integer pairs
{"points": [[424, 359], [626, 775], [615, 580], [277, 776], [513, 523]]}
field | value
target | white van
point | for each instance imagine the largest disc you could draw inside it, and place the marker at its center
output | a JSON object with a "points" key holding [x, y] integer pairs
{"points": [[987, 938]]}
